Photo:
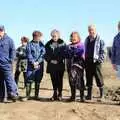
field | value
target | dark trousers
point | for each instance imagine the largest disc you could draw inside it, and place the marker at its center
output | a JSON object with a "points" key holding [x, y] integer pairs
{"points": [[94, 70], [57, 80], [34, 75], [3, 90], [17, 74]]}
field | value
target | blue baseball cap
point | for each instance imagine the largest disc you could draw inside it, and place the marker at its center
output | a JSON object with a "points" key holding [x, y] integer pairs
{"points": [[2, 28]]}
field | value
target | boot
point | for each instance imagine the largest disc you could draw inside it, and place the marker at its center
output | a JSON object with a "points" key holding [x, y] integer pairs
{"points": [[60, 96], [101, 92], [12, 97], [54, 97], [89, 93], [73, 95], [82, 96], [28, 90], [37, 86]]}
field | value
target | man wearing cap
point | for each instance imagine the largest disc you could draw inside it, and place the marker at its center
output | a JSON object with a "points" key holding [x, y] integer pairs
{"points": [[116, 52], [7, 53]]}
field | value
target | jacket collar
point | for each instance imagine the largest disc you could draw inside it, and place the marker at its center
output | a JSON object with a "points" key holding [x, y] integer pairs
{"points": [[58, 41]]}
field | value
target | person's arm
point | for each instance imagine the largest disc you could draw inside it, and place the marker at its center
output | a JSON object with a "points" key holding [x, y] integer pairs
{"points": [[113, 55], [69, 51], [66, 52], [23, 55], [47, 55], [101, 52], [12, 51], [29, 54], [61, 53], [41, 57], [17, 53], [80, 51]]}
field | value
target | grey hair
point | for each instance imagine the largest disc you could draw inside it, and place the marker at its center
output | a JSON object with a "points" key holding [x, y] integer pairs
{"points": [[55, 31], [92, 26]]}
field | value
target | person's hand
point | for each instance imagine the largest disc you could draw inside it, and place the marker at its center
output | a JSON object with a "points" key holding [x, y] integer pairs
{"points": [[54, 62], [21, 53], [114, 67], [36, 65]]}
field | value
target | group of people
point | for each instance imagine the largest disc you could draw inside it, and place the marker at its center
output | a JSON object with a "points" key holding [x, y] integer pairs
{"points": [[78, 57]]}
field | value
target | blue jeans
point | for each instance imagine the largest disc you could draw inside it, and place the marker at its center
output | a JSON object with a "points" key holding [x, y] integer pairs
{"points": [[6, 71]]}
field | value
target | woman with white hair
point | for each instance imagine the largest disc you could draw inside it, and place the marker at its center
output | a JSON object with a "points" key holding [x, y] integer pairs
{"points": [[56, 63]]}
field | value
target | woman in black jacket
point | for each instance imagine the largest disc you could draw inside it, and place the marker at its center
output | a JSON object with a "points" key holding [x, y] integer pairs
{"points": [[55, 63]]}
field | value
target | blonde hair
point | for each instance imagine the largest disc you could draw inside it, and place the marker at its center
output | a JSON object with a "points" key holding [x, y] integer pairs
{"points": [[73, 34]]}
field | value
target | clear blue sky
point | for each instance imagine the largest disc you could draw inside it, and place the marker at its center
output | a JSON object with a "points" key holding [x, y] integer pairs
{"points": [[22, 17]]}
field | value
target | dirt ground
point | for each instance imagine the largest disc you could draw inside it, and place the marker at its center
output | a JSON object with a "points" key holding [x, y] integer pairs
{"points": [[46, 110]]}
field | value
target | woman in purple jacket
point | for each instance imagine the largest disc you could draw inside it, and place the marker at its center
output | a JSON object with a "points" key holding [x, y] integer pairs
{"points": [[75, 65]]}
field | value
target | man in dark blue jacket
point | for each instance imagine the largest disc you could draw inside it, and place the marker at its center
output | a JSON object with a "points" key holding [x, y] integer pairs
{"points": [[7, 54]]}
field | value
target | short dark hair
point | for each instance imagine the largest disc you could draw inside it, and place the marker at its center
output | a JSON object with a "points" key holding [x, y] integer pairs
{"points": [[25, 39], [37, 33]]}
